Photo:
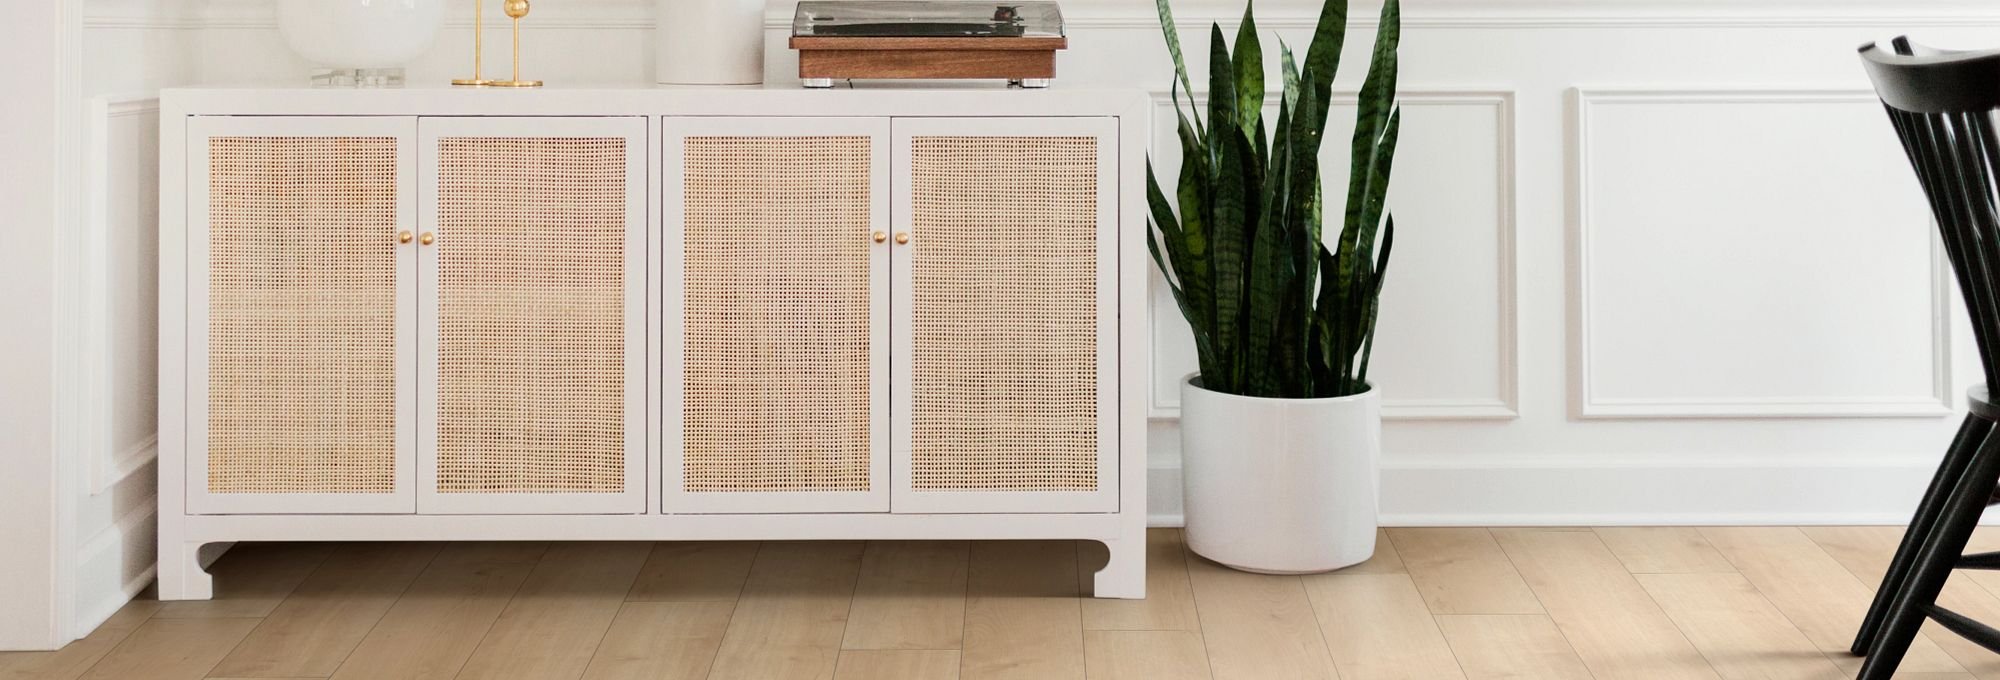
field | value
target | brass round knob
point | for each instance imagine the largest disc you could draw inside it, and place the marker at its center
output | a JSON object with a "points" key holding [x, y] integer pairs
{"points": [[403, 237], [902, 237], [428, 238], [881, 236]]}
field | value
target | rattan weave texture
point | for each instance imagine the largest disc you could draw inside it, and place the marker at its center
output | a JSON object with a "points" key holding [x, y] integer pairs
{"points": [[531, 266], [1004, 332], [301, 318], [777, 315]]}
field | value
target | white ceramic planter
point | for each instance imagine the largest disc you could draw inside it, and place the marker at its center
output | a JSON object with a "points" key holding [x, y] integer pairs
{"points": [[1282, 486], [709, 42]]}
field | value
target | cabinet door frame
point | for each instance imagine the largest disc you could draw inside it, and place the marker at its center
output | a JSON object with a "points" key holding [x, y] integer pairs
{"points": [[200, 501], [1103, 499], [674, 498], [632, 499]]}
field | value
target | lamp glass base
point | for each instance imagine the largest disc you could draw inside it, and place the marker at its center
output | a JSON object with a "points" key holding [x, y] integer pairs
{"points": [[357, 77]]}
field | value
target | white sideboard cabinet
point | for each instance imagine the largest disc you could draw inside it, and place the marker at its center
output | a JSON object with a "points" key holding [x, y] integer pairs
{"points": [[652, 314]]}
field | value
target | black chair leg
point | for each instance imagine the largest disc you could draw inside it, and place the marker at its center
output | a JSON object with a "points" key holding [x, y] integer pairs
{"points": [[1950, 470], [1939, 552]]}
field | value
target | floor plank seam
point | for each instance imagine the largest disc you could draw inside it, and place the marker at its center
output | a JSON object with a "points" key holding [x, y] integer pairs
{"points": [[1829, 656], [735, 607], [846, 619], [385, 610], [966, 595], [1683, 631], [546, 549], [148, 618], [1427, 604], [1187, 566], [281, 602], [1082, 645], [599, 644], [1678, 630], [1567, 643], [1319, 626]]}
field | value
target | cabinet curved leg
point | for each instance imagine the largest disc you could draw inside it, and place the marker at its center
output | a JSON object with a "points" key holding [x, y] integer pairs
{"points": [[180, 573], [1124, 577]]}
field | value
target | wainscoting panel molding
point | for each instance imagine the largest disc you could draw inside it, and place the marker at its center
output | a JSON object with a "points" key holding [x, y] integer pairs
{"points": [[115, 373], [1730, 262]]}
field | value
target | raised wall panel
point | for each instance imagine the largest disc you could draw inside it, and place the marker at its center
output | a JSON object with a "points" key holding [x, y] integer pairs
{"points": [[1445, 343], [1004, 317], [1744, 253], [534, 298], [115, 520], [131, 269], [777, 350], [299, 315]]}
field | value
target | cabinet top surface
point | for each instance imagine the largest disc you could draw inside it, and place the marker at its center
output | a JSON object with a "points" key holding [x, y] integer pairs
{"points": [[773, 100]]}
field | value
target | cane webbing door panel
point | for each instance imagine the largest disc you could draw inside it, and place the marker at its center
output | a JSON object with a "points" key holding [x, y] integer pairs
{"points": [[533, 315], [775, 336], [301, 315], [1005, 328]]}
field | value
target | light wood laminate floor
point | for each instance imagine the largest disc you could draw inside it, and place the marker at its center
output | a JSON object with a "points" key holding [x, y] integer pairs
{"points": [[1448, 603]]}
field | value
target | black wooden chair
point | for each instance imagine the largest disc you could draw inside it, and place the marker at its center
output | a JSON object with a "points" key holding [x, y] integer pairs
{"points": [[1943, 105]]}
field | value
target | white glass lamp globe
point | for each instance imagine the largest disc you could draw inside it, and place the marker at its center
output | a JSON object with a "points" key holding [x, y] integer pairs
{"points": [[360, 34]]}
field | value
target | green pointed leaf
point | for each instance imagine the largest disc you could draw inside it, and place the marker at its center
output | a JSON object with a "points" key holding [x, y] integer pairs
{"points": [[1230, 247], [1290, 72], [1162, 215], [1365, 210], [1191, 190], [1304, 140], [1326, 329], [1377, 99], [1249, 67], [1221, 85], [1374, 302], [1189, 266], [1270, 277], [1173, 36], [1323, 60], [1204, 350]]}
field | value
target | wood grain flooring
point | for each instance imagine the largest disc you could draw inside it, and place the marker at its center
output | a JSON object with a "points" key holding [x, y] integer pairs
{"points": [[1434, 604]]}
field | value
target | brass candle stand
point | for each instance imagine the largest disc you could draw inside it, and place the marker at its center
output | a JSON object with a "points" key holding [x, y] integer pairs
{"points": [[515, 9], [478, 45]]}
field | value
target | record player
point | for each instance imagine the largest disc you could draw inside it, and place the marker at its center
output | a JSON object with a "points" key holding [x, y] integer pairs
{"points": [[847, 39]]}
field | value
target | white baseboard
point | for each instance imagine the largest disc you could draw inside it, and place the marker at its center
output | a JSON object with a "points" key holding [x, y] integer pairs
{"points": [[114, 565], [1523, 491]]}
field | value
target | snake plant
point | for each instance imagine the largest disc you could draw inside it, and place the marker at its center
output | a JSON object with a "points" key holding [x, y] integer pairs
{"points": [[1276, 312]]}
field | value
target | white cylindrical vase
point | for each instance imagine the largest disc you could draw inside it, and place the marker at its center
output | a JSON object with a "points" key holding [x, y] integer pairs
{"points": [[1281, 486], [709, 42]]}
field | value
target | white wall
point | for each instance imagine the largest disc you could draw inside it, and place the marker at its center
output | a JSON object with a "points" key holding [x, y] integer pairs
{"points": [[1661, 260], [32, 41]]}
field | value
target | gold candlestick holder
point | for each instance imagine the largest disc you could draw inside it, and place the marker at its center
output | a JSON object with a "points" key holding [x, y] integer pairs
{"points": [[516, 9], [478, 46]]}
